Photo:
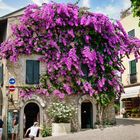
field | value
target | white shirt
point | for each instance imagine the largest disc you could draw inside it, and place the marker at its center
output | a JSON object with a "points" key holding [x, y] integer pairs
{"points": [[34, 130]]}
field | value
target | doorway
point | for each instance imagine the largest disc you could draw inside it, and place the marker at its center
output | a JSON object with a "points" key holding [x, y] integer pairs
{"points": [[31, 114], [86, 115]]}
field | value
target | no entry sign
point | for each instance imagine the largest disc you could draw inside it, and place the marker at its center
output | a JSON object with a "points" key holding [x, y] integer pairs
{"points": [[11, 88]]}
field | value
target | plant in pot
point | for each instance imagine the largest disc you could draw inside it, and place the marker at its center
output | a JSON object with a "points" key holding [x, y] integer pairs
{"points": [[61, 113], [135, 112]]}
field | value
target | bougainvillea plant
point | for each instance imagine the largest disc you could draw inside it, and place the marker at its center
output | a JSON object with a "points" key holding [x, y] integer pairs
{"points": [[82, 51]]}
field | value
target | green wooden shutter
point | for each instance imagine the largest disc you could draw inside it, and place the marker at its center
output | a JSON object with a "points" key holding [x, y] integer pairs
{"points": [[1, 75], [29, 72], [133, 67], [36, 72]]}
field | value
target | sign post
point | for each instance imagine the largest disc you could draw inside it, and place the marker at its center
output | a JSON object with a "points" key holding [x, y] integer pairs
{"points": [[12, 81]]}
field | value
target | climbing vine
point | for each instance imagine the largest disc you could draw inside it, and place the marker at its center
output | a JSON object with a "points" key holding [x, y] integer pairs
{"points": [[82, 51]]}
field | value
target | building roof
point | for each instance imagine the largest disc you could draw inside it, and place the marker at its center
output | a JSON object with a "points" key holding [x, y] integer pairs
{"points": [[12, 13], [126, 12]]}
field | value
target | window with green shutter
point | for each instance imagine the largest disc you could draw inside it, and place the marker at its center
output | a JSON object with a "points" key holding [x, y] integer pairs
{"points": [[36, 72], [131, 33], [133, 67], [1, 74], [32, 72]]}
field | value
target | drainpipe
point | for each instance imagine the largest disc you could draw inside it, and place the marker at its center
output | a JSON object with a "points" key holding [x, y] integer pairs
{"points": [[121, 106], [5, 100]]}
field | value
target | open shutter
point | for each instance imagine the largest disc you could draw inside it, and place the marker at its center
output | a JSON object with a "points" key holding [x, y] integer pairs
{"points": [[1, 75], [29, 72], [36, 72]]}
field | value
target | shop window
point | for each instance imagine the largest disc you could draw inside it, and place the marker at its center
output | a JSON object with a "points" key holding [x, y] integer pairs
{"points": [[32, 71]]}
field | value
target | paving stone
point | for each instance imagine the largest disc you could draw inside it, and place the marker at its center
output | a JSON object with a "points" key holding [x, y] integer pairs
{"points": [[126, 129]]}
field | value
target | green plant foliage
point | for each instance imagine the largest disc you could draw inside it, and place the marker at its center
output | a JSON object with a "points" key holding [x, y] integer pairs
{"points": [[136, 8], [135, 110], [46, 131], [108, 122], [104, 99]]}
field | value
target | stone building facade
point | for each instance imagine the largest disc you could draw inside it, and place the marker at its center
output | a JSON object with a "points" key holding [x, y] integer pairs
{"points": [[130, 101], [35, 107]]}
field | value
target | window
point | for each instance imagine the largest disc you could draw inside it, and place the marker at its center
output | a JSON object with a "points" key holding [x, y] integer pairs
{"points": [[1, 74], [32, 72], [85, 70], [131, 33], [133, 67], [133, 70]]}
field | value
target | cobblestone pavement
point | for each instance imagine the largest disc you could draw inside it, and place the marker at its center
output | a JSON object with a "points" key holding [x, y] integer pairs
{"points": [[126, 129]]}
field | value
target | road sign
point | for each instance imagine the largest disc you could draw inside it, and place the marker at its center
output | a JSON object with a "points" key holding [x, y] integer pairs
{"points": [[11, 88], [12, 81]]}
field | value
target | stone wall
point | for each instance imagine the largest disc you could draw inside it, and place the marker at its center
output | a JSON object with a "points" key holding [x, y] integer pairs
{"points": [[110, 113], [76, 100], [46, 101]]}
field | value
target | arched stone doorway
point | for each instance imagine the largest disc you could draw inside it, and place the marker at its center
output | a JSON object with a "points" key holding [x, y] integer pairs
{"points": [[31, 115], [86, 115], [35, 102], [86, 110]]}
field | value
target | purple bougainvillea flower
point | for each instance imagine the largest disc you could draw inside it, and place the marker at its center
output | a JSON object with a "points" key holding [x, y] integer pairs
{"points": [[82, 51]]}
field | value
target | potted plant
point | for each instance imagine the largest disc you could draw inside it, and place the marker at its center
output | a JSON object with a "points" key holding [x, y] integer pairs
{"points": [[135, 112], [61, 113]]}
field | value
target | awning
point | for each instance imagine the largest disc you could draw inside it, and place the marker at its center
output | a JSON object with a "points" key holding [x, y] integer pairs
{"points": [[131, 92]]}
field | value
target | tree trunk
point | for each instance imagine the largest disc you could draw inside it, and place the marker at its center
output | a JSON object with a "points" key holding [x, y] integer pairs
{"points": [[100, 114]]}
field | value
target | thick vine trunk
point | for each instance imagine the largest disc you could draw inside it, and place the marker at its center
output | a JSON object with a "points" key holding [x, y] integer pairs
{"points": [[101, 114]]}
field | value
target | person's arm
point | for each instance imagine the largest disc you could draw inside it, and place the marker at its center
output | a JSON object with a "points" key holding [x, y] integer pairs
{"points": [[40, 128], [27, 131]]}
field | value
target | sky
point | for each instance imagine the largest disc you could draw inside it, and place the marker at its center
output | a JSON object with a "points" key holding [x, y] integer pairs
{"points": [[111, 8]]}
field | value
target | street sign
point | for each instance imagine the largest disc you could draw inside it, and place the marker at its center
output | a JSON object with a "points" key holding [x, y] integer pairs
{"points": [[12, 81], [11, 88]]}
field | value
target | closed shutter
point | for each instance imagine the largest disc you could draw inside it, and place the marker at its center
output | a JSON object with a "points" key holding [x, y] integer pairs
{"points": [[133, 67], [29, 72], [1, 75], [36, 72]]}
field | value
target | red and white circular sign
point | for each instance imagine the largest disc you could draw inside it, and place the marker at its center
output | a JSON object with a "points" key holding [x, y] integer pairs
{"points": [[11, 88]]}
